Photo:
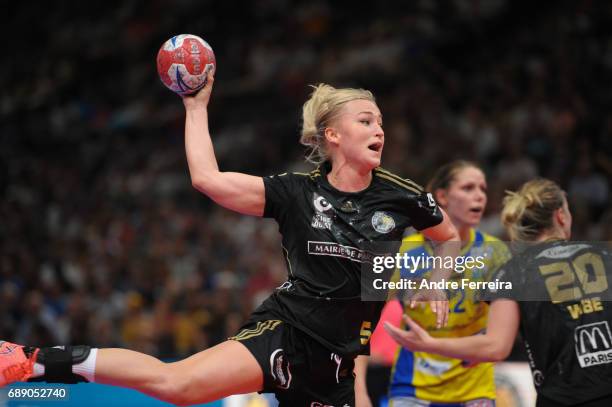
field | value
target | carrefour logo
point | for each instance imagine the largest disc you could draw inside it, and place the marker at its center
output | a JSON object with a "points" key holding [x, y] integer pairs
{"points": [[593, 344]]}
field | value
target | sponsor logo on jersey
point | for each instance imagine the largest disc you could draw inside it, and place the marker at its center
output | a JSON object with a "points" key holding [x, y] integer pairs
{"points": [[349, 207], [279, 368], [338, 250], [321, 204], [562, 252], [322, 218], [431, 367], [320, 221], [382, 222], [593, 344]]}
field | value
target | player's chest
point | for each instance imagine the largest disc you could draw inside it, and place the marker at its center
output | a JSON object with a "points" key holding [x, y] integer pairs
{"points": [[352, 218]]}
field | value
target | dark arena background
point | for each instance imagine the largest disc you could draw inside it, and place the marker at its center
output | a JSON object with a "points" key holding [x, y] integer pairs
{"points": [[103, 240]]}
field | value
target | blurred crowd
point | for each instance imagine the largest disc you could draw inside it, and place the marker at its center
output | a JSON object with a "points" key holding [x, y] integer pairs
{"points": [[103, 240]]}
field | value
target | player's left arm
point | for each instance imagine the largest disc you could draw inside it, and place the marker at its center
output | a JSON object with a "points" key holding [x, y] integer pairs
{"points": [[239, 192], [493, 346]]}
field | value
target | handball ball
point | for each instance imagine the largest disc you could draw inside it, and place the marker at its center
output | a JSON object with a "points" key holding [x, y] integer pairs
{"points": [[183, 63]]}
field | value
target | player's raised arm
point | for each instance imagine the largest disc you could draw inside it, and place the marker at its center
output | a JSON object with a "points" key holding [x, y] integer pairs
{"points": [[236, 191]]}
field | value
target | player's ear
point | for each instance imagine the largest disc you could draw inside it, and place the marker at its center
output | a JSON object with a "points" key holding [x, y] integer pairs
{"points": [[331, 135], [560, 217], [441, 197]]}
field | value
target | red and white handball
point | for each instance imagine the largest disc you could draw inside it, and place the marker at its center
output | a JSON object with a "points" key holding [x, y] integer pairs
{"points": [[183, 63]]}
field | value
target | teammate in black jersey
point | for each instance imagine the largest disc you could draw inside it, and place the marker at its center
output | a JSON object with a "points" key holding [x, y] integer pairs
{"points": [[303, 341], [568, 337]]}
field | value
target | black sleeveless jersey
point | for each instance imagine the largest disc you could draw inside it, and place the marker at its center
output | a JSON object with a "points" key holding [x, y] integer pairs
{"points": [[322, 232], [568, 336]]}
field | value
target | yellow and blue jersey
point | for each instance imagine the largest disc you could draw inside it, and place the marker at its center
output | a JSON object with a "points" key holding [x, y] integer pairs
{"points": [[438, 378]]}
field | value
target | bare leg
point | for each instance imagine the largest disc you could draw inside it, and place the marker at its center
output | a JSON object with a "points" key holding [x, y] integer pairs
{"points": [[226, 369]]}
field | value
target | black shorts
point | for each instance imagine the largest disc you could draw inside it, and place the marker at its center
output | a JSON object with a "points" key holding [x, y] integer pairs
{"points": [[296, 368]]}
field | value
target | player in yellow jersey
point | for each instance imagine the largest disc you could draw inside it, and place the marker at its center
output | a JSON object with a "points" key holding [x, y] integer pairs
{"points": [[424, 379]]}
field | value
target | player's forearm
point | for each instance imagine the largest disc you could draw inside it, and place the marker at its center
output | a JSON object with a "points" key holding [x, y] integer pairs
{"points": [[201, 158], [477, 348], [361, 388], [361, 368]]}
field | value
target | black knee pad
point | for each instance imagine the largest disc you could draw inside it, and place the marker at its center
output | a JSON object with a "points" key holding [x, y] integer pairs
{"points": [[58, 363]]}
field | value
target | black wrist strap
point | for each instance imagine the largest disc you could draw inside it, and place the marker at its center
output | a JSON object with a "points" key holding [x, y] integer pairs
{"points": [[58, 363]]}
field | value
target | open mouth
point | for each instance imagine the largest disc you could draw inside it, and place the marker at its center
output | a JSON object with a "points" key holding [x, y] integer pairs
{"points": [[477, 209], [376, 146]]}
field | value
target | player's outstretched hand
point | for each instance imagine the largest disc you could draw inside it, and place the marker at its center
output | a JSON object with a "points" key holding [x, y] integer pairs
{"points": [[416, 339], [438, 302], [201, 98]]}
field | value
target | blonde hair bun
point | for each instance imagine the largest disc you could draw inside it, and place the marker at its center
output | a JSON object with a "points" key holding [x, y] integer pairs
{"points": [[529, 211]]}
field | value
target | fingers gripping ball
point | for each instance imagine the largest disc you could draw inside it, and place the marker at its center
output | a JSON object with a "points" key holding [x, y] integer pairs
{"points": [[183, 63]]}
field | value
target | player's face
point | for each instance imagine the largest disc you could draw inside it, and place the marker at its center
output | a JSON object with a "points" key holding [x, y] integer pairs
{"points": [[359, 137], [466, 197]]}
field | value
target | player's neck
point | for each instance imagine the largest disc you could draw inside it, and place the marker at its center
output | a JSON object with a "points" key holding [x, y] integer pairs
{"points": [[346, 178], [556, 232], [546, 237]]}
